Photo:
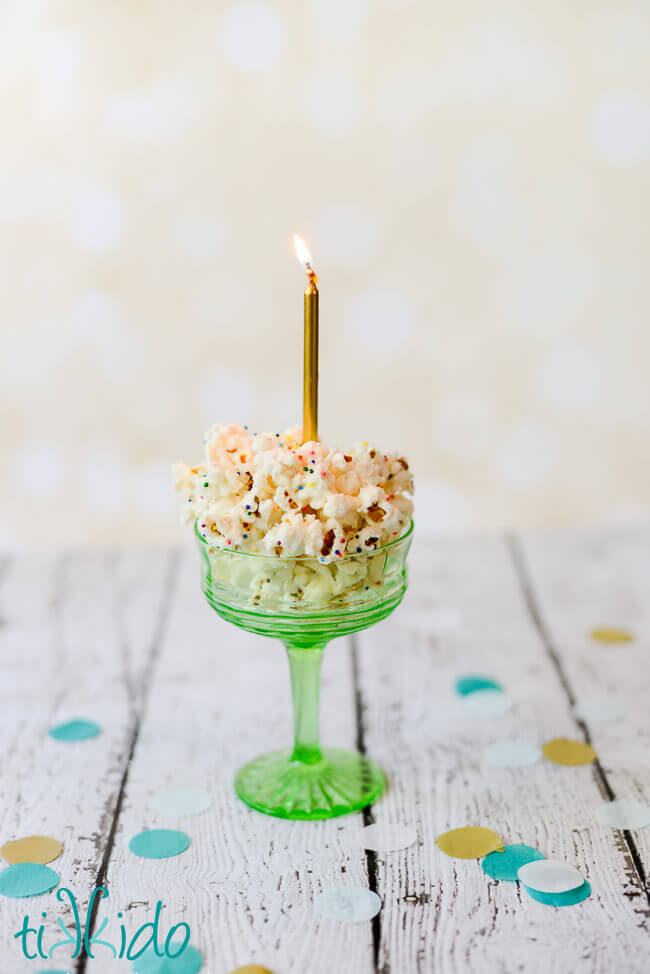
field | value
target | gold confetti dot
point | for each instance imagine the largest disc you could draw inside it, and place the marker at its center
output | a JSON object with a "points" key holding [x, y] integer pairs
{"points": [[471, 842], [251, 969], [561, 750], [33, 848], [606, 634]]}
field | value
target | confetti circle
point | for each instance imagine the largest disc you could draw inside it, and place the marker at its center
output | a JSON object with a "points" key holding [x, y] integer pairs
{"points": [[623, 814], [189, 961], [470, 684], [182, 801], [570, 898], [33, 848], [349, 905], [486, 703], [251, 969], [471, 842], [512, 754], [505, 865], [600, 709], [27, 879], [607, 634], [75, 730], [550, 876], [561, 750], [387, 838], [159, 843]]}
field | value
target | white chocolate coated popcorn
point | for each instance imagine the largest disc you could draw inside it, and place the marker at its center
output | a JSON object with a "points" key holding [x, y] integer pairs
{"points": [[271, 494]]}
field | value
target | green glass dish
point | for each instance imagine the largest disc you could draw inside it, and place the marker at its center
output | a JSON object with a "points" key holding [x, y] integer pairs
{"points": [[305, 604]]}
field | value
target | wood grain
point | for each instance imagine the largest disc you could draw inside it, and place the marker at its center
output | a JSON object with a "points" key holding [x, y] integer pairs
{"points": [[246, 884], [68, 651], [126, 639], [446, 915], [578, 582]]}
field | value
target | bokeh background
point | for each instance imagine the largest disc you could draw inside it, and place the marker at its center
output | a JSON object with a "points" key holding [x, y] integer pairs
{"points": [[472, 179]]}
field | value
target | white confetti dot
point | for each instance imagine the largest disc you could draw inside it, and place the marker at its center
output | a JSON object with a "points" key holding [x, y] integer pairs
{"points": [[331, 101], [485, 703], [386, 837], [526, 455], [382, 320], [618, 127], [177, 802], [253, 36], [348, 905], [346, 234], [39, 470], [599, 709], [103, 479], [199, 236], [569, 376], [512, 754], [550, 876], [228, 397], [623, 814], [98, 219]]}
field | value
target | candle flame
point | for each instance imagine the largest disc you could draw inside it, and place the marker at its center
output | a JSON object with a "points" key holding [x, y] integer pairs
{"points": [[302, 251]]}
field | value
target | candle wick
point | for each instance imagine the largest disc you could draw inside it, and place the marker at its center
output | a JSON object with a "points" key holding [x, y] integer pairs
{"points": [[311, 274]]}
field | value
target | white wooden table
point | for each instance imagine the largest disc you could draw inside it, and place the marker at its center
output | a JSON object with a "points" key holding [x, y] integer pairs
{"points": [[183, 699]]}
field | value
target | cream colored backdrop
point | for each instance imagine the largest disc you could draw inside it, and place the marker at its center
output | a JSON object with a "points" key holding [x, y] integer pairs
{"points": [[472, 178]]}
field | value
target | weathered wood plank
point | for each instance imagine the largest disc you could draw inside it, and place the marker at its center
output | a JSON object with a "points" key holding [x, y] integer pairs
{"points": [[580, 581], [67, 650], [246, 884], [461, 921]]}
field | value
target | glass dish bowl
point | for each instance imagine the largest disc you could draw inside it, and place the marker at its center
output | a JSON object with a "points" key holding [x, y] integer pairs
{"points": [[305, 604]]}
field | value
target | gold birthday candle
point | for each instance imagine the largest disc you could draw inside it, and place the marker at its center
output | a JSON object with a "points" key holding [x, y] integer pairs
{"points": [[310, 367]]}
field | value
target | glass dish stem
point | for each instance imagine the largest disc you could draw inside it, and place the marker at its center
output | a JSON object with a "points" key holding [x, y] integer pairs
{"points": [[304, 667]]}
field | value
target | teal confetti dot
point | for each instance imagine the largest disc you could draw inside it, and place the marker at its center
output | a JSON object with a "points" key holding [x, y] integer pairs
{"points": [[75, 730], [504, 865], [469, 684], [189, 962], [159, 843], [569, 898], [27, 879]]}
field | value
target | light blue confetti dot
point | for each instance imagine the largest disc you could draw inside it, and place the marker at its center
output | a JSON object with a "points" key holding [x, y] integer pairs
{"points": [[486, 703], [469, 684], [348, 905], [27, 879], [504, 865], [159, 843], [569, 898], [188, 962], [75, 730]]}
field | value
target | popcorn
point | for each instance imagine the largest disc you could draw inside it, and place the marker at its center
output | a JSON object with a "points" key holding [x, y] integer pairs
{"points": [[271, 494]]}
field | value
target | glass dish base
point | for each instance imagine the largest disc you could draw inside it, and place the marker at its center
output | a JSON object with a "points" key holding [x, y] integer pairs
{"points": [[331, 783]]}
